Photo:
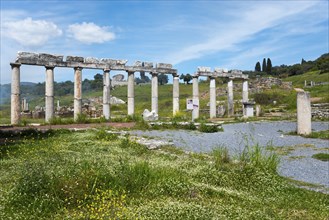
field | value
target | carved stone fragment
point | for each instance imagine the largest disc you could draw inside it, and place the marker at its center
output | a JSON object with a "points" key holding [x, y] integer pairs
{"points": [[108, 61], [91, 60], [204, 69], [74, 59], [50, 57], [164, 65], [148, 64]]}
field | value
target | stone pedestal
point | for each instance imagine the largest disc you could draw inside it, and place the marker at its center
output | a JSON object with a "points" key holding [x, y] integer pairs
{"points": [[195, 111], [106, 94], [175, 95], [155, 92], [15, 94], [212, 98], [230, 100], [248, 109], [131, 93], [304, 125], [49, 114], [77, 92]]}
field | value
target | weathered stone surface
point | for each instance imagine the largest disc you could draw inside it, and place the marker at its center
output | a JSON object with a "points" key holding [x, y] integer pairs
{"points": [[138, 64], [237, 72], [74, 59], [221, 110], [108, 61], [219, 70], [164, 65], [148, 64], [91, 60], [26, 56], [204, 69], [50, 57], [118, 77], [121, 62], [150, 115], [304, 124]]}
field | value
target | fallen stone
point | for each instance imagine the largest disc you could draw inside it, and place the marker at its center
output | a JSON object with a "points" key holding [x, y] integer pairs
{"points": [[150, 115]]}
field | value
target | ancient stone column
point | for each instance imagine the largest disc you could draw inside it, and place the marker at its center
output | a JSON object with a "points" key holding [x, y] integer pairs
{"points": [[15, 94], [245, 91], [230, 101], [212, 94], [155, 92], [77, 92], [49, 114], [106, 93], [304, 113], [131, 93], [175, 94], [195, 111]]}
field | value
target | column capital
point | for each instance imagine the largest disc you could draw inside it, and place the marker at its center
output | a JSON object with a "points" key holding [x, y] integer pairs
{"points": [[195, 76], [78, 68], [130, 72], [154, 73], [106, 70], [175, 75], [15, 65], [49, 67]]}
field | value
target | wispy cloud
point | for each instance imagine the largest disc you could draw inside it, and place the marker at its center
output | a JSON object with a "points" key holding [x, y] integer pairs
{"points": [[90, 33], [244, 23], [31, 33]]}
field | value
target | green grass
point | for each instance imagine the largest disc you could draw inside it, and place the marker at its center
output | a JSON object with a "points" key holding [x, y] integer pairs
{"points": [[315, 134], [90, 174], [321, 156]]}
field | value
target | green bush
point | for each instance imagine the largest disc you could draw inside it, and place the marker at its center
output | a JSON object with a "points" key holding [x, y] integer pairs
{"points": [[209, 128]]}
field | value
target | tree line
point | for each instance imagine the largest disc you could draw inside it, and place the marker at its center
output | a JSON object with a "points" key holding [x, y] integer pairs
{"points": [[320, 64]]}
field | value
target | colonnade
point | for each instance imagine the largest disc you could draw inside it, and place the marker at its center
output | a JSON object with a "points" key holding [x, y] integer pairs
{"points": [[212, 97], [49, 93]]}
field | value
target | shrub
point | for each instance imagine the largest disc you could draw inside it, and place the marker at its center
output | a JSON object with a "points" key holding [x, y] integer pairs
{"points": [[209, 128]]}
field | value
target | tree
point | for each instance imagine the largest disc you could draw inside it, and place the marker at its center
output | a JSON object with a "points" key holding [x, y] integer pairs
{"points": [[269, 66], [187, 78], [257, 67], [182, 77], [264, 65], [163, 79]]}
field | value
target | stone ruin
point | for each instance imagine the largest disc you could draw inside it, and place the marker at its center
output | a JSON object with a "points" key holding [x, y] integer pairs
{"points": [[51, 61]]}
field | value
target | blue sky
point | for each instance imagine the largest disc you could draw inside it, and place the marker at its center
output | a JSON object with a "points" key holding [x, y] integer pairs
{"points": [[227, 34]]}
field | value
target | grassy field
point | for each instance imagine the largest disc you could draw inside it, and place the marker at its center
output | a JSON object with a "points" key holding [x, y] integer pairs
{"points": [[96, 175]]}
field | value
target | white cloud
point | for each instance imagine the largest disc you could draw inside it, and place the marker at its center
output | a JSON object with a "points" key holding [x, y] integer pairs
{"points": [[29, 32], [90, 33]]}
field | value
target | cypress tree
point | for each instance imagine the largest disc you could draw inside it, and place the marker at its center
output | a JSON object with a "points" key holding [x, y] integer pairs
{"points": [[269, 66], [264, 65], [257, 67]]}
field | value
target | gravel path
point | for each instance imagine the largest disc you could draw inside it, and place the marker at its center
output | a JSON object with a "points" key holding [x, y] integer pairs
{"points": [[297, 163]]}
